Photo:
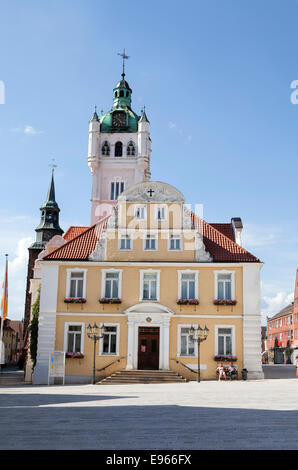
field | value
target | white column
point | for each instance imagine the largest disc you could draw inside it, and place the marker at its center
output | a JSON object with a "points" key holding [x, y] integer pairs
{"points": [[252, 321], [130, 343]]}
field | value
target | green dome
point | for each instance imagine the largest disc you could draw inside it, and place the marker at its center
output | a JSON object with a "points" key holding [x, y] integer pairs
{"points": [[121, 118]]}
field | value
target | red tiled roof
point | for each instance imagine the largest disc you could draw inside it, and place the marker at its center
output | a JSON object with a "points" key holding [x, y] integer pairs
{"points": [[218, 242], [221, 247], [81, 246], [73, 232], [225, 229]]}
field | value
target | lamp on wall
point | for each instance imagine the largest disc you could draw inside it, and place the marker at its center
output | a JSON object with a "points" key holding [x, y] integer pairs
{"points": [[199, 335], [94, 333]]}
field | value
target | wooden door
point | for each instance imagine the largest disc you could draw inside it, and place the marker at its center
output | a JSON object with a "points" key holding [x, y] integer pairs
{"points": [[148, 350]]}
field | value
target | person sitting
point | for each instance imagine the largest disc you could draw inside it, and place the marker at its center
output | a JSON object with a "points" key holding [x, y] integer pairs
{"points": [[232, 370], [221, 372]]}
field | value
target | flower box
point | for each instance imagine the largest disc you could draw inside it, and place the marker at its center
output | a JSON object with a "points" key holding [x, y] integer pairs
{"points": [[74, 300], [77, 355], [188, 302], [105, 300], [224, 302], [225, 358]]}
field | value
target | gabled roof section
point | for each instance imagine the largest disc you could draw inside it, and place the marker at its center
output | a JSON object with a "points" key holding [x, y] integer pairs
{"points": [[225, 229], [73, 232], [221, 247], [80, 247]]}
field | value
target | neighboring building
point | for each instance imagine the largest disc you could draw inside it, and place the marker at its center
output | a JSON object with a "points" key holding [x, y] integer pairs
{"points": [[13, 340], [147, 269], [282, 329]]}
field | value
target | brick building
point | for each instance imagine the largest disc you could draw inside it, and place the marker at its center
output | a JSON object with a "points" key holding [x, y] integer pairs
{"points": [[282, 328]]}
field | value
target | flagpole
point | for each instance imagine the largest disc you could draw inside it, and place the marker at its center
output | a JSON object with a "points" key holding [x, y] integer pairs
{"points": [[3, 304]]}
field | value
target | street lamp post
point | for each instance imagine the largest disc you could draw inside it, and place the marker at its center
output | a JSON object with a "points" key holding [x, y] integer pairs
{"points": [[95, 333], [199, 335]]}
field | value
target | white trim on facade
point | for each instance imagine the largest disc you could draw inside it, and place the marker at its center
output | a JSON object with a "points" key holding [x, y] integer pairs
{"points": [[100, 346], [66, 327], [103, 280], [188, 271], [233, 328], [180, 326], [69, 271], [224, 271], [149, 271]]}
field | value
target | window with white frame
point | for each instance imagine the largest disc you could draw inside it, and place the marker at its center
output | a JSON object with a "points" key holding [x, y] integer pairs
{"points": [[187, 344], [111, 286], [76, 283], [224, 341], [161, 212], [175, 243], [125, 242], [150, 242], [109, 340], [188, 286], [150, 286], [74, 338], [140, 212], [224, 286]]}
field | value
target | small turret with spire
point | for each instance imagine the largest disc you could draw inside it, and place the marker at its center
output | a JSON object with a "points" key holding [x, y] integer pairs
{"points": [[49, 223]]}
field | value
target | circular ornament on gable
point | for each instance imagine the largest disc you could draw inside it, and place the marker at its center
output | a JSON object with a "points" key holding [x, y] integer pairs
{"points": [[148, 319]]}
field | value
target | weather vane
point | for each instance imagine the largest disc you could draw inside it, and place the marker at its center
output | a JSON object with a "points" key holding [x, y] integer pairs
{"points": [[53, 165], [124, 57]]}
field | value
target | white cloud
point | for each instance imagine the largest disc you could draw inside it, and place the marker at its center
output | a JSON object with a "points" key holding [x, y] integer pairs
{"points": [[274, 304], [172, 125], [19, 264], [30, 130], [27, 130]]}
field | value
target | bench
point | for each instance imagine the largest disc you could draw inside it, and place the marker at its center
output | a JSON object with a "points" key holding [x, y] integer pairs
{"points": [[226, 369]]}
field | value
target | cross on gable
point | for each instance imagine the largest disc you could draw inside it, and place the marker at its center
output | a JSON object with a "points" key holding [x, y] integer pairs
{"points": [[150, 191]]}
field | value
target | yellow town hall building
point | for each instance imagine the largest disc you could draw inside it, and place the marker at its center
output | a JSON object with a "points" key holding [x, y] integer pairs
{"points": [[146, 271]]}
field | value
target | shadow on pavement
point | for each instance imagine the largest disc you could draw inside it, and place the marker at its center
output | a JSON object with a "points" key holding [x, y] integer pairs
{"points": [[9, 400], [142, 427]]}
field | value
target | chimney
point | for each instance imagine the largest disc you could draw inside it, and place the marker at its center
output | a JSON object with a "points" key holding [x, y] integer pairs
{"points": [[237, 229]]}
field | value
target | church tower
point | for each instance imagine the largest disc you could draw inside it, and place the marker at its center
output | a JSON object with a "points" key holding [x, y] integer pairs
{"points": [[119, 151], [47, 229]]}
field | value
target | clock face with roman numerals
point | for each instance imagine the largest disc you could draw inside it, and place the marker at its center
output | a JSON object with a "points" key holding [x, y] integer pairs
{"points": [[119, 119]]}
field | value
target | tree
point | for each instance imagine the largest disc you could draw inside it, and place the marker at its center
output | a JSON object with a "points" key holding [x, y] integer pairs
{"points": [[33, 328]]}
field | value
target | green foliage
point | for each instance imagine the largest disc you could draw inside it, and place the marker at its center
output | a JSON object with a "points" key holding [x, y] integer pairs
{"points": [[34, 328]]}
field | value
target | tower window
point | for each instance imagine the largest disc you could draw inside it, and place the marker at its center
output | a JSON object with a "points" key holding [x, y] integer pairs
{"points": [[121, 93], [130, 151], [118, 149], [127, 94], [105, 150], [116, 189]]}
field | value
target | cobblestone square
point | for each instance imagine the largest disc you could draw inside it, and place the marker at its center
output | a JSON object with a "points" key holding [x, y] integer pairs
{"points": [[260, 414]]}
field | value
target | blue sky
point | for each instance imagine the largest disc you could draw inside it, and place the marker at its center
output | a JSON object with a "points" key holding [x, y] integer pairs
{"points": [[215, 78]]}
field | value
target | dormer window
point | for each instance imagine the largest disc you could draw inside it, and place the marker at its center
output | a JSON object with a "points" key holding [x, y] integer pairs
{"points": [[105, 149], [130, 151], [118, 149]]}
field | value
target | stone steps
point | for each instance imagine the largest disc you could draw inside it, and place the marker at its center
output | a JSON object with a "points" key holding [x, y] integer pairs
{"points": [[142, 377]]}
